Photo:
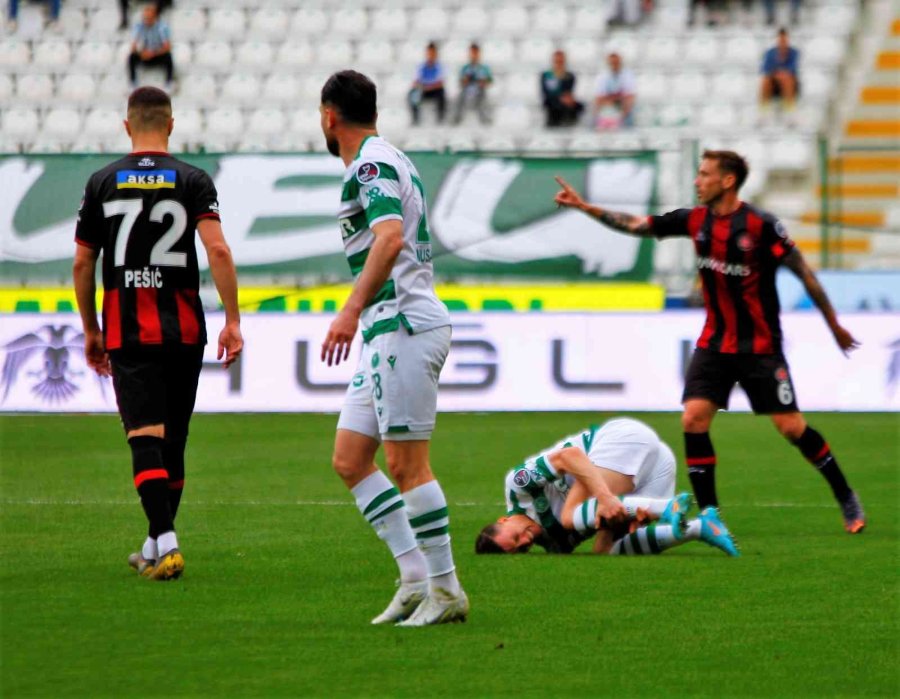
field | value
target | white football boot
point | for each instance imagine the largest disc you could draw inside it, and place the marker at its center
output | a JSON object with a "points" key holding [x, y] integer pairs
{"points": [[407, 598], [439, 607]]}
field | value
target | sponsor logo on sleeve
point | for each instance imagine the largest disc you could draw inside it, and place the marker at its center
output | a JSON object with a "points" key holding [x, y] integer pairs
{"points": [[367, 172]]}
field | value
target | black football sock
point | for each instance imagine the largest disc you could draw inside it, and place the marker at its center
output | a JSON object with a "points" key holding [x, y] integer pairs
{"points": [[150, 479], [816, 450], [701, 462], [173, 458]]}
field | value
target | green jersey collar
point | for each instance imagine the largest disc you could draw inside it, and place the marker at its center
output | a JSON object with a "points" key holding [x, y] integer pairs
{"points": [[362, 144]]}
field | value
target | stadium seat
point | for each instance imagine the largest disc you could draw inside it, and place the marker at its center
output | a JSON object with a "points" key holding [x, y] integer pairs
{"points": [[422, 140], [816, 84], [334, 53], [241, 89], [662, 51], [225, 123], [255, 56], [835, 19], [393, 121], [14, 54], [735, 86], [389, 23], [77, 88], [61, 125], [755, 150], [104, 123], [742, 51], [306, 121], [20, 124], [53, 54], [718, 117], [587, 142], [589, 20], [36, 89], [269, 23], [6, 87], [188, 24], [113, 88], [281, 88], [95, 56], [104, 22], [546, 142], [521, 87], [510, 20], [582, 53], [470, 21], [188, 130], [228, 23], [311, 88], [86, 144], [348, 22], [690, 87], [535, 52], [213, 56], [551, 21], [498, 53], [674, 114], [182, 55], [497, 142], [309, 22], [433, 22], [393, 88], [823, 52], [376, 54], [295, 54], [198, 89], [701, 50], [410, 54], [627, 46], [790, 153], [652, 86], [71, 22], [514, 117], [266, 122]]}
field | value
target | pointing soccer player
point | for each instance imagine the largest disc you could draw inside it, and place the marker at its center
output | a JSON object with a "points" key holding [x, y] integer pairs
{"points": [[140, 213], [739, 249], [392, 399], [594, 482]]}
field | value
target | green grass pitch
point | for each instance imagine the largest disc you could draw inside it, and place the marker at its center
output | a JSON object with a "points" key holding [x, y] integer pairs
{"points": [[283, 574]]}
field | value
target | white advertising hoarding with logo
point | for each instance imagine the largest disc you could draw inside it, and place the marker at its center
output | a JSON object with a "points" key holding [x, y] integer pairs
{"points": [[498, 361]]}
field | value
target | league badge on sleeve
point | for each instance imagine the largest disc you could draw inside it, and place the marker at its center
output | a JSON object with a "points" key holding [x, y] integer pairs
{"points": [[367, 172], [521, 477]]}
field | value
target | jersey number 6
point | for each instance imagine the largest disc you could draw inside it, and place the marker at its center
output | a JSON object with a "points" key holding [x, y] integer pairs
{"points": [[161, 254]]}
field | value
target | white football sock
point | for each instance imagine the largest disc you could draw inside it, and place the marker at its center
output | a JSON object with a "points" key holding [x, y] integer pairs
{"points": [[165, 543], [426, 508], [655, 538], [693, 530], [382, 506], [148, 550], [653, 506]]}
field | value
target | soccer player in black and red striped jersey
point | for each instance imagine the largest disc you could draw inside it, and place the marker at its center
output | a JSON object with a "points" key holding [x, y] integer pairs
{"points": [[141, 212], [739, 249]]}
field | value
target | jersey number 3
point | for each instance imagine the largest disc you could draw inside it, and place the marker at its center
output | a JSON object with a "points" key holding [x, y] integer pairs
{"points": [[161, 254]]}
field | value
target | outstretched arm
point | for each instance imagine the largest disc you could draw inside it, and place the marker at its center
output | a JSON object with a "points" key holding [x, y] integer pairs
{"points": [[795, 262], [627, 223]]}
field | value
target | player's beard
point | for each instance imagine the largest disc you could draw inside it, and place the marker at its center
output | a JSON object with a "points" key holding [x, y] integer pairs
{"points": [[333, 146]]}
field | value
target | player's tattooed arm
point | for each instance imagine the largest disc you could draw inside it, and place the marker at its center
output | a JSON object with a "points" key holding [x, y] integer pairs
{"points": [[627, 223], [794, 261]]}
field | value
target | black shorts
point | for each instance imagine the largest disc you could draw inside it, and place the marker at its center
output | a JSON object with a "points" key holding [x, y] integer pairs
{"points": [[765, 378], [157, 386]]}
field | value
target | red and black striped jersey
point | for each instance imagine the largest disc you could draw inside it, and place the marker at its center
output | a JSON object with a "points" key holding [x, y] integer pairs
{"points": [[142, 212], [737, 257]]}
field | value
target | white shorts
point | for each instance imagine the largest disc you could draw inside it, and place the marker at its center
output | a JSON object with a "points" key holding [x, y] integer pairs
{"points": [[393, 394], [660, 482]]}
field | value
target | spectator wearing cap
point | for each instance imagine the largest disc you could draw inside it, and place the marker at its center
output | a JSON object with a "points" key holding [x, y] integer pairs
{"points": [[780, 74], [151, 46], [474, 79], [557, 88], [429, 85], [614, 96]]}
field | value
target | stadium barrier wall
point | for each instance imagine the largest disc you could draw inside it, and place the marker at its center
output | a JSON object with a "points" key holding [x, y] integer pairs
{"points": [[498, 362]]}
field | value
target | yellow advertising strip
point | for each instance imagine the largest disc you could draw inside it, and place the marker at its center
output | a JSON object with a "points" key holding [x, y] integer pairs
{"points": [[612, 296]]}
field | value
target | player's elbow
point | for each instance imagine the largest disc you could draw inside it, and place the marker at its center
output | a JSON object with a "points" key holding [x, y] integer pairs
{"points": [[566, 518], [393, 242], [562, 459], [219, 253]]}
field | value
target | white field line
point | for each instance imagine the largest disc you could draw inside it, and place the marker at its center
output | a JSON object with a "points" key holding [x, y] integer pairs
{"points": [[329, 503]]}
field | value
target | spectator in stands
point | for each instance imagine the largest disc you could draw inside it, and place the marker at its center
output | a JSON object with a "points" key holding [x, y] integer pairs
{"points": [[474, 80], [770, 12], [557, 88], [14, 13], [123, 6], [780, 75], [151, 46], [614, 97], [429, 85], [628, 12]]}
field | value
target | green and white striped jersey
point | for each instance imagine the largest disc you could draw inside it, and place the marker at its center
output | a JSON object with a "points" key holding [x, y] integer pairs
{"points": [[379, 185]]}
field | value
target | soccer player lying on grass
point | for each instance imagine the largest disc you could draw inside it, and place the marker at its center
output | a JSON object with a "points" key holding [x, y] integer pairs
{"points": [[606, 481]]}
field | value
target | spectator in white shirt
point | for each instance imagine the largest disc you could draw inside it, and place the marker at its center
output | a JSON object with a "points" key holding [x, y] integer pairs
{"points": [[614, 96]]}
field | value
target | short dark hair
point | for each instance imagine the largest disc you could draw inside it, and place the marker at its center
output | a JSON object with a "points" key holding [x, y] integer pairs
{"points": [[353, 95], [149, 109], [730, 163], [485, 542], [431, 46], [783, 31], [474, 45]]}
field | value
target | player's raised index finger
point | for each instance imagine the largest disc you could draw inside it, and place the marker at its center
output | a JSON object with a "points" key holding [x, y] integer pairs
{"points": [[562, 183]]}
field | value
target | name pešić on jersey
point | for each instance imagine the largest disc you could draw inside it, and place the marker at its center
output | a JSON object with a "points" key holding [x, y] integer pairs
{"points": [[141, 212], [382, 184]]}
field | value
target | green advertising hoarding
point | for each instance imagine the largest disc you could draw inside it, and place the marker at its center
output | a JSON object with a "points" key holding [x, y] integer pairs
{"points": [[492, 219]]}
